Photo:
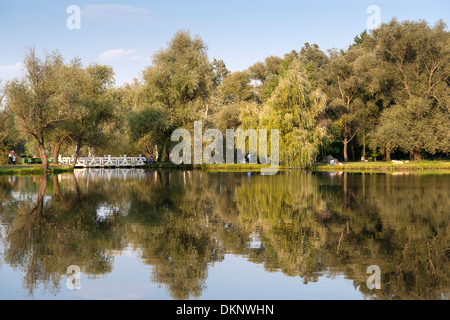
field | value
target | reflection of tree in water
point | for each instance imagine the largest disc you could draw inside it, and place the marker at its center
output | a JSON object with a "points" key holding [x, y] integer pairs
{"points": [[47, 236], [411, 245], [180, 252], [180, 243], [182, 222], [283, 211], [397, 223]]}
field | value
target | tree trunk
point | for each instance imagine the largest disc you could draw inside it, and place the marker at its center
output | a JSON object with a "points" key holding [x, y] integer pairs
{"points": [[417, 156], [167, 156], [77, 153], [43, 156], [58, 144], [364, 147], [56, 151], [388, 155], [352, 148], [345, 150]]}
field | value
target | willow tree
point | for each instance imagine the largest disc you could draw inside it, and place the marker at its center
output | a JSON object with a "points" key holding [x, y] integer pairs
{"points": [[38, 100], [294, 108], [91, 102], [178, 84]]}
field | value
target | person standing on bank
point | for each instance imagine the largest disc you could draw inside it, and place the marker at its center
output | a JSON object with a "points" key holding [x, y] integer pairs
{"points": [[13, 158]]}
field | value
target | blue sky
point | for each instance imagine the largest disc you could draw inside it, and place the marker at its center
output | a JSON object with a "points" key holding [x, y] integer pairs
{"points": [[125, 34]]}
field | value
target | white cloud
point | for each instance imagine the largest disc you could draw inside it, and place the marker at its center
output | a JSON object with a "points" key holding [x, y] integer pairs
{"points": [[11, 71], [123, 55], [115, 12], [116, 54]]}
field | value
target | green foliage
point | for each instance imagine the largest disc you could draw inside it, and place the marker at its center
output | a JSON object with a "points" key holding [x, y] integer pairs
{"points": [[293, 108], [39, 100], [92, 104], [178, 84], [388, 92], [236, 87], [180, 78], [415, 59], [220, 72]]}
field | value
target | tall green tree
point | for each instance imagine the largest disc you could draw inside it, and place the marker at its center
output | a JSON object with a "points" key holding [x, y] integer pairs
{"points": [[344, 86], [314, 60], [265, 75], [230, 98], [415, 58], [38, 101], [178, 84], [92, 104], [220, 72], [294, 108]]}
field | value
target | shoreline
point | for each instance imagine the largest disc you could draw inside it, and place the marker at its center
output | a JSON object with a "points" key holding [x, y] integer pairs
{"points": [[22, 170], [441, 166]]}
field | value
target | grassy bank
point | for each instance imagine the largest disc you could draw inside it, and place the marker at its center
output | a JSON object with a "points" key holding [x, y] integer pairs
{"points": [[435, 166], [212, 167], [37, 170], [380, 166], [421, 166], [167, 165], [236, 167], [31, 169]]}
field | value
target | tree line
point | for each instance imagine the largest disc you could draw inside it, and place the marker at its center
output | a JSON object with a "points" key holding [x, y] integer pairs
{"points": [[386, 94]]}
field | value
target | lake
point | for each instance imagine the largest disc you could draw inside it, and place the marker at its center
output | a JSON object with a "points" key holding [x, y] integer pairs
{"points": [[178, 235]]}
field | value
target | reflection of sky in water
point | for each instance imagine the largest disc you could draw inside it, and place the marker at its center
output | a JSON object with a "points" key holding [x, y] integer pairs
{"points": [[235, 278], [2, 241], [20, 196], [260, 238], [105, 211]]}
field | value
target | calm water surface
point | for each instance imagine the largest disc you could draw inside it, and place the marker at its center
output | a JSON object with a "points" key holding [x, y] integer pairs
{"points": [[198, 235]]}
